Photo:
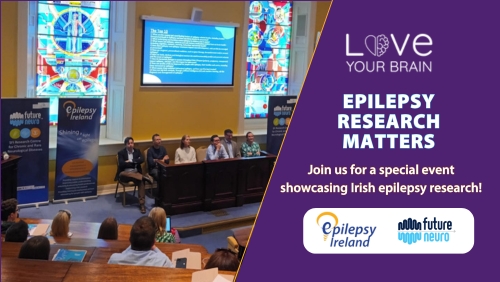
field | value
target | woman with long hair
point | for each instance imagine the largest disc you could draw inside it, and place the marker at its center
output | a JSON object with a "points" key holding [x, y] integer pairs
{"points": [[108, 229], [162, 235], [185, 153], [60, 224]]}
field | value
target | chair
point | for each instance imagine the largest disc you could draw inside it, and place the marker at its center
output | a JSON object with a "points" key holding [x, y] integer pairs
{"points": [[124, 184], [201, 153], [145, 171]]}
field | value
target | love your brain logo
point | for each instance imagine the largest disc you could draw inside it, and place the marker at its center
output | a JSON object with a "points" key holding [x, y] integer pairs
{"points": [[378, 45]]}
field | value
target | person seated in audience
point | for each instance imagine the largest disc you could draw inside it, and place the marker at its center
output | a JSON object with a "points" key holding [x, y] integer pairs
{"points": [[108, 229], [156, 153], [129, 169], [37, 247], [162, 235], [230, 146], [223, 259], [60, 224], [142, 249], [10, 211], [18, 232], [250, 148], [185, 153], [216, 151]]}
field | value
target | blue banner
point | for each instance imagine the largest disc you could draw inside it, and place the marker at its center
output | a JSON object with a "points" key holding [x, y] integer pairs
{"points": [[25, 133], [280, 113], [77, 148]]}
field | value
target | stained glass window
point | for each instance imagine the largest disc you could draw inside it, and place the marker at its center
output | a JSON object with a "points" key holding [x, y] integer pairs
{"points": [[72, 51], [268, 54]]}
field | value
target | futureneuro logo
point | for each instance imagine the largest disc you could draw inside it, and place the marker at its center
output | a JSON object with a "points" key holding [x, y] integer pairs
{"points": [[78, 113], [27, 118], [345, 236], [427, 230], [16, 119], [378, 45], [282, 110]]}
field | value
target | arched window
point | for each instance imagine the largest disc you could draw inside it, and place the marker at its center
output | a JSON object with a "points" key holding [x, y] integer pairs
{"points": [[72, 52], [268, 55]]}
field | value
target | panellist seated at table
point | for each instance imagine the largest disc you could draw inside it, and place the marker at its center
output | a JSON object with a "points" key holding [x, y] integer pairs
{"points": [[230, 146], [185, 153], [250, 148], [216, 151]]}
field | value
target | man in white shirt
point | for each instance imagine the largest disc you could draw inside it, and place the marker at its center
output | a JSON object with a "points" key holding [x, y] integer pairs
{"points": [[142, 249], [216, 151], [229, 145]]}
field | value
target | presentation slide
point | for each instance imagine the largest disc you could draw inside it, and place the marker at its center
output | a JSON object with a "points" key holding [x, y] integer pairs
{"points": [[183, 54], [389, 169]]}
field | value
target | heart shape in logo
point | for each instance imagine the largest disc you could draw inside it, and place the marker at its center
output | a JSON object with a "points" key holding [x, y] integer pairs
{"points": [[377, 45]]}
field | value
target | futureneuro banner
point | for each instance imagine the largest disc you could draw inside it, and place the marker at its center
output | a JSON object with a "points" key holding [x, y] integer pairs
{"points": [[389, 169], [77, 148], [280, 113], [25, 133]]}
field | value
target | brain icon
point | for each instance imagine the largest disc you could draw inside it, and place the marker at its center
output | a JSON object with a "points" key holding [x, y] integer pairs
{"points": [[382, 44]]}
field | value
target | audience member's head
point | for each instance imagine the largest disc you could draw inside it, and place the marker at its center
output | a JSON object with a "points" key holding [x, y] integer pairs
{"points": [[142, 234], [18, 232], [37, 247], [9, 210], [60, 224], [228, 134], [160, 218], [185, 141], [108, 229], [223, 259]]}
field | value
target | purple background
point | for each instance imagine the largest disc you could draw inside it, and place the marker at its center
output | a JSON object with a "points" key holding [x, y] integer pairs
{"points": [[465, 57]]}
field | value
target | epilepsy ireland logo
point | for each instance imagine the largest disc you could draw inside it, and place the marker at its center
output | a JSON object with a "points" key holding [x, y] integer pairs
{"points": [[345, 236], [377, 45], [78, 113]]}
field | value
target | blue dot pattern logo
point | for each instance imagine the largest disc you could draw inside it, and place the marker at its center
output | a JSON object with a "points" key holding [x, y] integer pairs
{"points": [[25, 133]]}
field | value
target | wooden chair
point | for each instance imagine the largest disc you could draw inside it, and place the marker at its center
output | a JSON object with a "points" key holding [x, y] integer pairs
{"points": [[145, 171], [201, 153], [124, 184]]}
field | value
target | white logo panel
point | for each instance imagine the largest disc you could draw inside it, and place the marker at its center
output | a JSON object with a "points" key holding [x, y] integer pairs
{"points": [[388, 231]]}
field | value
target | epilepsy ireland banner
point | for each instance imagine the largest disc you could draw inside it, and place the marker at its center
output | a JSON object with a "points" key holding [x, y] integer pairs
{"points": [[389, 170], [77, 148], [25, 133]]}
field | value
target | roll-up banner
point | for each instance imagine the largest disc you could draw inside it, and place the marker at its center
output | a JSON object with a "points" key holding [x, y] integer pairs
{"points": [[25, 133], [77, 148], [280, 112]]}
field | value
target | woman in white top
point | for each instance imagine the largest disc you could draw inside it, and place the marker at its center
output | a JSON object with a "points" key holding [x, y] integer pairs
{"points": [[185, 154]]}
